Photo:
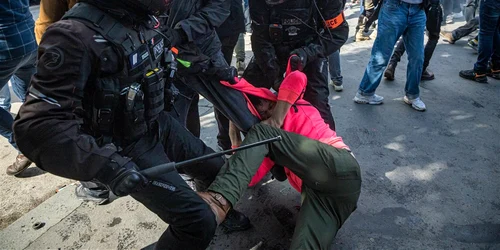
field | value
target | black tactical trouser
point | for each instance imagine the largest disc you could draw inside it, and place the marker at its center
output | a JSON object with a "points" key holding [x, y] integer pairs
{"points": [[316, 93], [433, 25], [186, 109], [191, 222], [466, 29], [228, 101], [228, 44]]}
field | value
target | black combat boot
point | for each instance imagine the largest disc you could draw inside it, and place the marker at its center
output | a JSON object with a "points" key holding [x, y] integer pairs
{"points": [[389, 72]]}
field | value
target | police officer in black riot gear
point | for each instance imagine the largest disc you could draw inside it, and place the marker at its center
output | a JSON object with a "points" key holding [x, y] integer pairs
{"points": [[96, 112], [310, 29], [198, 25]]}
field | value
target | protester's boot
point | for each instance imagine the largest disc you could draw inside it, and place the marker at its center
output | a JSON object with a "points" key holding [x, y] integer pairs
{"points": [[21, 164], [219, 205], [389, 71], [448, 37], [360, 35], [427, 75], [235, 221]]}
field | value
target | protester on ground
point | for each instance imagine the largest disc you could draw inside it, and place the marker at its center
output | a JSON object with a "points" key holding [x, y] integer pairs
{"points": [[434, 15], [18, 51], [99, 103], [308, 28], [488, 59], [397, 18], [318, 164]]}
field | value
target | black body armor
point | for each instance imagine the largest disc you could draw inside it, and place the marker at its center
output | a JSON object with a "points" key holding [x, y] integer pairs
{"points": [[124, 106]]}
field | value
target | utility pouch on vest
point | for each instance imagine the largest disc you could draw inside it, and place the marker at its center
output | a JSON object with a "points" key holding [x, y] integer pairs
{"points": [[276, 33], [105, 102], [133, 125], [154, 85]]}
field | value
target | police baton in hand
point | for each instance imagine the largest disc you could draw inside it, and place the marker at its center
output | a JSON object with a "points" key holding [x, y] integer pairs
{"points": [[171, 166]]}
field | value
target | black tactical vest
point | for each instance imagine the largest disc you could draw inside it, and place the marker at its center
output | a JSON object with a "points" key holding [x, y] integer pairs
{"points": [[292, 23], [123, 107]]}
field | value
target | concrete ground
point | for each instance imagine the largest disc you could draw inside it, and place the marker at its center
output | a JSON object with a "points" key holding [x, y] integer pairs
{"points": [[430, 179]]}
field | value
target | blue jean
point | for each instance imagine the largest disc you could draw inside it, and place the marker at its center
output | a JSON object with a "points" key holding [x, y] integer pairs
{"points": [[20, 70], [397, 18], [489, 35], [334, 67], [5, 98]]}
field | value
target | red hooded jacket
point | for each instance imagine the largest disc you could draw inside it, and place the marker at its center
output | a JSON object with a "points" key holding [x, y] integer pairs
{"points": [[302, 118]]}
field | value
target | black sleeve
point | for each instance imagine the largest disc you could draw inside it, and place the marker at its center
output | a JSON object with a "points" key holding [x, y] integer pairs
{"points": [[47, 128], [203, 21], [334, 26]]}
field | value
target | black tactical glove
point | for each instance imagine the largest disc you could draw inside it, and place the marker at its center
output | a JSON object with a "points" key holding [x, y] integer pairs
{"points": [[298, 59], [227, 74], [176, 37], [123, 180], [278, 172]]}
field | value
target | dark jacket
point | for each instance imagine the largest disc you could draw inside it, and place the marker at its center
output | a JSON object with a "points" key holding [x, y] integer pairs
{"points": [[198, 19], [235, 23]]}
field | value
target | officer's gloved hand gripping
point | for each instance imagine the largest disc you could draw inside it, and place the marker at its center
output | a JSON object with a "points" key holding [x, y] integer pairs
{"points": [[122, 180], [301, 56]]}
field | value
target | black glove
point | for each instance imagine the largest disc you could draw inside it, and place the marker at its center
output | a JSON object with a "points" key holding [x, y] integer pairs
{"points": [[176, 37], [123, 180], [278, 172], [227, 74], [298, 59]]}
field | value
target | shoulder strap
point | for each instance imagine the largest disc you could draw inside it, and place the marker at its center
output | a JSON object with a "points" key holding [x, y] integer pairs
{"points": [[104, 24]]}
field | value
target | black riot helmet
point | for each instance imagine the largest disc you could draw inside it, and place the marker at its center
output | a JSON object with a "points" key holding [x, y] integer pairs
{"points": [[152, 7]]}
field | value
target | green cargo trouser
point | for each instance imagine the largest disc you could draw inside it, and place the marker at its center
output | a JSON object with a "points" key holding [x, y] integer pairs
{"points": [[331, 181]]}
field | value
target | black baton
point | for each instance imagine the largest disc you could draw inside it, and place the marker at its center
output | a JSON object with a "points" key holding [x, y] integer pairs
{"points": [[171, 166]]}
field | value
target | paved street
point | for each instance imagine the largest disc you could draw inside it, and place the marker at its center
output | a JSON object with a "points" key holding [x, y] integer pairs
{"points": [[430, 179]]}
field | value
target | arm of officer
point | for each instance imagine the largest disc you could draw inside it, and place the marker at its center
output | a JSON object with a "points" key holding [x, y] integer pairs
{"points": [[211, 15], [48, 127], [335, 27]]}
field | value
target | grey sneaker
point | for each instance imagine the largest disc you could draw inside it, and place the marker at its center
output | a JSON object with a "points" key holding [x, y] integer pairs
{"points": [[373, 100], [337, 86], [97, 196], [416, 103]]}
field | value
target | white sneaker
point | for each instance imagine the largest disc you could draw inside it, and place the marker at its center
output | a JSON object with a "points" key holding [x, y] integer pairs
{"points": [[449, 19], [336, 86], [416, 103], [373, 100]]}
